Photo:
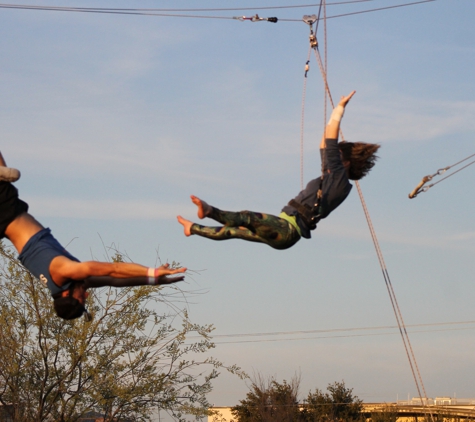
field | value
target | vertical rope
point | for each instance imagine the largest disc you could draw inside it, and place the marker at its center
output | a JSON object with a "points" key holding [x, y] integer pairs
{"points": [[392, 295], [397, 311], [302, 121], [325, 67]]}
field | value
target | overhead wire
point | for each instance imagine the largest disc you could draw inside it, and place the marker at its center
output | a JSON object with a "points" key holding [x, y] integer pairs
{"points": [[350, 329], [220, 9], [337, 336], [154, 12]]}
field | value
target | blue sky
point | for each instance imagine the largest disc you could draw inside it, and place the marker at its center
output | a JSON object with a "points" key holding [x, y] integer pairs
{"points": [[115, 120]]}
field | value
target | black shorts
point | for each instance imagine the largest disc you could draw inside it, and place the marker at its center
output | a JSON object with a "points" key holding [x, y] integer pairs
{"points": [[10, 206]]}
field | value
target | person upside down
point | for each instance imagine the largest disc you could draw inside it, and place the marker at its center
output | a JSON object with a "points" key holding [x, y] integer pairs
{"points": [[66, 277], [341, 162]]}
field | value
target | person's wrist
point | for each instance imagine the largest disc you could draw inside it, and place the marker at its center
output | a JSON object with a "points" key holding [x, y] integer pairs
{"points": [[151, 277], [337, 113]]}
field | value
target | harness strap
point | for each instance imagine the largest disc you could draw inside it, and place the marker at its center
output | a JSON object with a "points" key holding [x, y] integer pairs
{"points": [[310, 215]]}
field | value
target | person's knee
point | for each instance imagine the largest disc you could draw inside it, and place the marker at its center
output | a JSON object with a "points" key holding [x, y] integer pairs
{"points": [[251, 217]]}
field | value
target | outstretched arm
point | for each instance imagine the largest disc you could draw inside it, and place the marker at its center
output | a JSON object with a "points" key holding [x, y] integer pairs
{"points": [[94, 282], [333, 127], [63, 269]]}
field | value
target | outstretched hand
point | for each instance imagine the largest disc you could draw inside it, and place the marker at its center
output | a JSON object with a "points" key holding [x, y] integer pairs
{"points": [[344, 100], [164, 271]]}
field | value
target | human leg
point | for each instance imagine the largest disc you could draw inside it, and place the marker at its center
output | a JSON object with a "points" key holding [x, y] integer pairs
{"points": [[247, 225]]}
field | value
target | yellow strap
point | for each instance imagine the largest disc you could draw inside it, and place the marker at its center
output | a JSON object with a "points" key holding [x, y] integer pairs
{"points": [[292, 220]]}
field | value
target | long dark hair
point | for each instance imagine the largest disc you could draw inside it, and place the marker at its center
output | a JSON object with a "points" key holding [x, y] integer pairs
{"points": [[362, 158]]}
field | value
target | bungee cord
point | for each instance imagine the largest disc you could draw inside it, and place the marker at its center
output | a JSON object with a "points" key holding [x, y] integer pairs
{"points": [[421, 188]]}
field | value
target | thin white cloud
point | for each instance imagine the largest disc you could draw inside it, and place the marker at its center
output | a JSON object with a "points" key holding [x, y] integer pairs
{"points": [[406, 238], [404, 118], [107, 209]]}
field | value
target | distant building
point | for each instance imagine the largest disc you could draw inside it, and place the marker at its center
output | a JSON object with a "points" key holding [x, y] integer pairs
{"points": [[407, 410], [444, 401]]}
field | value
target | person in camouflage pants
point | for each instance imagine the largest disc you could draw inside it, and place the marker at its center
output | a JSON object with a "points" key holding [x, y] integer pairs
{"points": [[341, 162]]}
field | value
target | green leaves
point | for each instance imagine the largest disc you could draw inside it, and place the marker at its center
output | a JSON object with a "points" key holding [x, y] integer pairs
{"points": [[269, 401], [128, 361], [338, 403]]}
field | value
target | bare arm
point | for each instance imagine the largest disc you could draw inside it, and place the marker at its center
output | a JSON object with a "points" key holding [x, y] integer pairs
{"points": [[94, 282], [333, 127], [63, 269]]}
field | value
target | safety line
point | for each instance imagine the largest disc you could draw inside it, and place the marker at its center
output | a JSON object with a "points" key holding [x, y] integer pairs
{"points": [[325, 65], [397, 312], [395, 305], [392, 296], [302, 120], [419, 188], [446, 177], [313, 44]]}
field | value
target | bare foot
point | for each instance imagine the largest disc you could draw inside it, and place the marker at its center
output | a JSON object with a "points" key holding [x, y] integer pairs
{"points": [[203, 208], [186, 224]]}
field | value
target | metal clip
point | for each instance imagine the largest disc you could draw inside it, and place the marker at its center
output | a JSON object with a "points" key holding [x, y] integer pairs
{"points": [[309, 19], [441, 171], [313, 40], [255, 18]]}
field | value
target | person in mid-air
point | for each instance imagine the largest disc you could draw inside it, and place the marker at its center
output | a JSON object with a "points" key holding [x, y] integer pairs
{"points": [[341, 162], [67, 279]]}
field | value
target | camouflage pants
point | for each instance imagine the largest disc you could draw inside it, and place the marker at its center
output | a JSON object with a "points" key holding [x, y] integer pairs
{"points": [[251, 226]]}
